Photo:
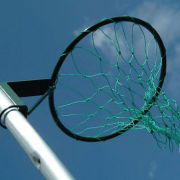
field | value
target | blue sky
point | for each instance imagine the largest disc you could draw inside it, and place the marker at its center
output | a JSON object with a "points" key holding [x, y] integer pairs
{"points": [[33, 34]]}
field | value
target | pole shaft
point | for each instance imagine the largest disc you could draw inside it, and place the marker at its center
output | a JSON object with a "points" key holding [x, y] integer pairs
{"points": [[35, 147], [38, 151]]}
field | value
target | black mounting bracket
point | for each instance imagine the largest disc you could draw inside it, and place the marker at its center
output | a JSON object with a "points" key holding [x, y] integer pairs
{"points": [[30, 87]]}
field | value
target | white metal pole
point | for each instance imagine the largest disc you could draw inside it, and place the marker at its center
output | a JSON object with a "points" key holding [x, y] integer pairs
{"points": [[35, 147]]}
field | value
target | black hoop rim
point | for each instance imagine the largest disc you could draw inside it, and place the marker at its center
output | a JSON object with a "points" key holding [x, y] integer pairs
{"points": [[70, 48]]}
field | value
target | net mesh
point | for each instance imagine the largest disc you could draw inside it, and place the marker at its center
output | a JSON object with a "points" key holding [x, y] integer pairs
{"points": [[108, 81], [163, 122]]}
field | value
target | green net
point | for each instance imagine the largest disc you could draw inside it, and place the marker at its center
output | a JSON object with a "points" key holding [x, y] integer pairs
{"points": [[108, 84], [163, 122]]}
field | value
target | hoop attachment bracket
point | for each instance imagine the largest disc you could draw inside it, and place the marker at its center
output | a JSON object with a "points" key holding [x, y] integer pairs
{"points": [[9, 102]]}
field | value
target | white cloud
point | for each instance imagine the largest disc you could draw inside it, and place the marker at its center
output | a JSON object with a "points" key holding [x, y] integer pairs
{"points": [[174, 73], [87, 23], [101, 41], [152, 170], [164, 18], [109, 41]]}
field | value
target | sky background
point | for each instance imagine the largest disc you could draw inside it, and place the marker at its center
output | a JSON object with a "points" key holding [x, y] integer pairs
{"points": [[33, 34]]}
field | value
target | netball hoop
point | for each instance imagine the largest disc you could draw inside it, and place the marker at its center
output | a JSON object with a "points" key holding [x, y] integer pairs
{"points": [[107, 81]]}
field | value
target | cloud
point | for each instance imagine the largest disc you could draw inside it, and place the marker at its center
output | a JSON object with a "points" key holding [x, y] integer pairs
{"points": [[102, 42], [81, 29], [126, 38], [173, 73], [87, 23], [152, 170], [164, 18]]}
